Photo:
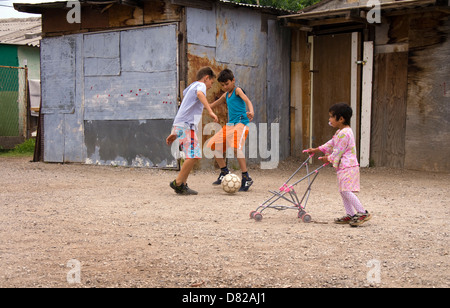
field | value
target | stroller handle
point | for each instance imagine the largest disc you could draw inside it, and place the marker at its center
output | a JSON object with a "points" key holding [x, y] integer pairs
{"points": [[310, 155], [326, 164]]}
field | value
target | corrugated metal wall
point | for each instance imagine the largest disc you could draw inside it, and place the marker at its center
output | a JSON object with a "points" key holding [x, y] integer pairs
{"points": [[257, 49], [110, 97]]}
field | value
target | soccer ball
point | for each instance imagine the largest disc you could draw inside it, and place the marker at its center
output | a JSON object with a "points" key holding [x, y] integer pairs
{"points": [[231, 183]]}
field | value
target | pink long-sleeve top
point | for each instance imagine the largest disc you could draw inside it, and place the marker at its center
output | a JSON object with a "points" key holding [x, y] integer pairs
{"points": [[341, 149]]}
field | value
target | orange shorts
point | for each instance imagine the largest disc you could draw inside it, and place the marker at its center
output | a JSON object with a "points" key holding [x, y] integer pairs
{"points": [[230, 136]]}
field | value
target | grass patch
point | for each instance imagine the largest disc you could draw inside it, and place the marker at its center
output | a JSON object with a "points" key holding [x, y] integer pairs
{"points": [[21, 150]]}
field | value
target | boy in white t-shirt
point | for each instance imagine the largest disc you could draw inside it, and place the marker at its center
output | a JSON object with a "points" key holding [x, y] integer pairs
{"points": [[185, 126]]}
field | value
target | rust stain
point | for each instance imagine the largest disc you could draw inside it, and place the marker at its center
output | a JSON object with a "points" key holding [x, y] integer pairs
{"points": [[225, 38], [194, 64]]}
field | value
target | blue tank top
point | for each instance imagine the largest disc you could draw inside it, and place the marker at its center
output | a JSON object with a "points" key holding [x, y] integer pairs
{"points": [[237, 111]]}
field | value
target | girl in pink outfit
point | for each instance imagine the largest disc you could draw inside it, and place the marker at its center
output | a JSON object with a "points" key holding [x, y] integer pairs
{"points": [[340, 151]]}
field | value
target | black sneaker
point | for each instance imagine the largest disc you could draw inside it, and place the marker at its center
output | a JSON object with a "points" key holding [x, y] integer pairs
{"points": [[187, 191], [220, 178], [245, 184], [183, 189], [178, 189]]}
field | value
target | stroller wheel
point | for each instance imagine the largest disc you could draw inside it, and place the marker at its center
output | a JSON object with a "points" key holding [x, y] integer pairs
{"points": [[306, 218], [301, 214], [258, 216]]}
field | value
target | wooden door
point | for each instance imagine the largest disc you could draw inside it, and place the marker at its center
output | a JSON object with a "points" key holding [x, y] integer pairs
{"points": [[332, 82]]}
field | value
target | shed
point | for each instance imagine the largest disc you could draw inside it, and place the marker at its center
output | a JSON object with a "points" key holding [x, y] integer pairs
{"points": [[391, 61], [19, 63], [111, 83]]}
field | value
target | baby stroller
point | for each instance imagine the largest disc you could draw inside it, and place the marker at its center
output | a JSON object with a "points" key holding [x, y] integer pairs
{"points": [[287, 193]]}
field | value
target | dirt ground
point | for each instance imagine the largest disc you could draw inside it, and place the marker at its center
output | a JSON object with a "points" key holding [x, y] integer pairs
{"points": [[127, 228]]}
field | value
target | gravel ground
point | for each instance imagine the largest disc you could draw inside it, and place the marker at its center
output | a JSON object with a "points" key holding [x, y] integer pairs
{"points": [[125, 227]]}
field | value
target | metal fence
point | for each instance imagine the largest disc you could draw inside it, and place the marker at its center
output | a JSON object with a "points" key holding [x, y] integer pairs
{"points": [[13, 105]]}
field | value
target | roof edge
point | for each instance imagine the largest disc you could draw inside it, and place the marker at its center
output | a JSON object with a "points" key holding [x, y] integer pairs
{"points": [[38, 8], [384, 6]]}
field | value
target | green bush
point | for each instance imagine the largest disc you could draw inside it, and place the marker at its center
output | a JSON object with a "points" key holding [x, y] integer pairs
{"points": [[24, 149]]}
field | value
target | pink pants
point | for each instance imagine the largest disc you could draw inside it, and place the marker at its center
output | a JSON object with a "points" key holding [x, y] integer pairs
{"points": [[351, 203]]}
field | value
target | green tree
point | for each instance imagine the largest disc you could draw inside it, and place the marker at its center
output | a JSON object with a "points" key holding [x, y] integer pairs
{"points": [[291, 5]]}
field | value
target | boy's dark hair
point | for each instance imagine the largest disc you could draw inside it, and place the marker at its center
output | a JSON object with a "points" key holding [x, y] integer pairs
{"points": [[205, 71], [342, 110], [225, 75]]}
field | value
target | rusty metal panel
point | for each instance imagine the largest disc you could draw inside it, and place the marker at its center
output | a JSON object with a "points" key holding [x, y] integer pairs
{"points": [[202, 25], [278, 81], [58, 74], [74, 149], [146, 87], [257, 49], [58, 79], [128, 117], [101, 67], [129, 143], [62, 98], [200, 53], [149, 49], [54, 138], [143, 97], [239, 37], [102, 54], [254, 82], [102, 45], [247, 58], [131, 96]]}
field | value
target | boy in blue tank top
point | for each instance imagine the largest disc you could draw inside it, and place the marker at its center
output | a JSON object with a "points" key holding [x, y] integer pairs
{"points": [[234, 134]]}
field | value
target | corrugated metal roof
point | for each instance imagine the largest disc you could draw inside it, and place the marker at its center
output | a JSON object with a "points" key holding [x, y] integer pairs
{"points": [[281, 11], [37, 8], [327, 8], [21, 31]]}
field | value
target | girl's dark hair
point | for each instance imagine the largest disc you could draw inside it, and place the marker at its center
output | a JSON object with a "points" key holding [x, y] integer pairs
{"points": [[225, 75], [342, 110]]}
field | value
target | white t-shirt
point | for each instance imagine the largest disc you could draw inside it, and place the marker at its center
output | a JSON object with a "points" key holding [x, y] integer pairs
{"points": [[191, 108]]}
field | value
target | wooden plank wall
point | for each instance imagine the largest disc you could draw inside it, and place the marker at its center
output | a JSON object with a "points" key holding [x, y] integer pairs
{"points": [[389, 110], [300, 92], [411, 110], [98, 18], [427, 143]]}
